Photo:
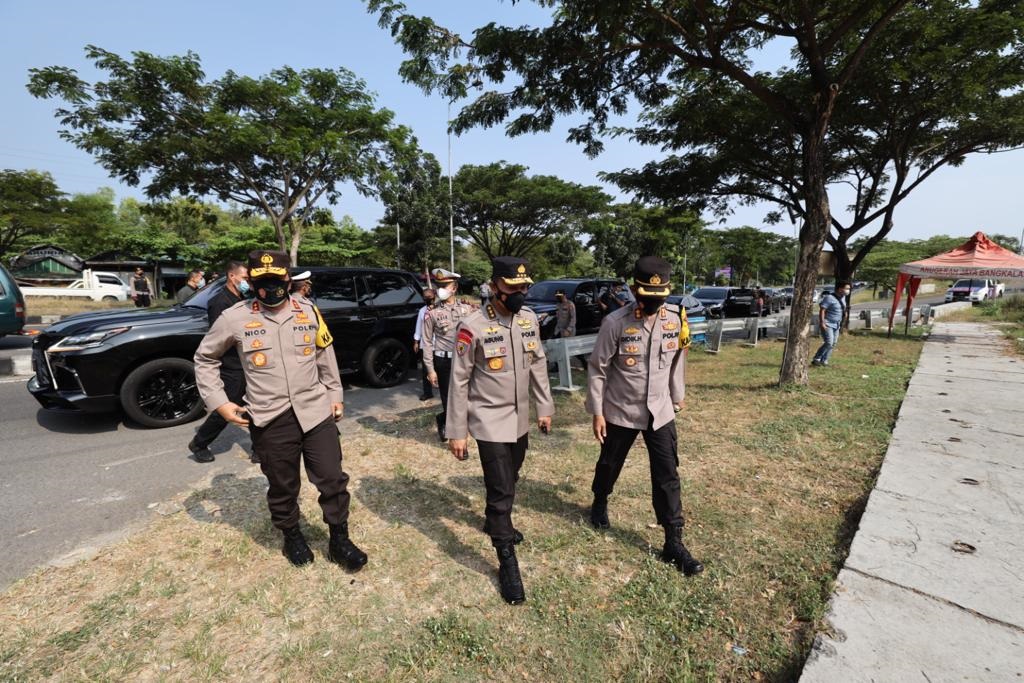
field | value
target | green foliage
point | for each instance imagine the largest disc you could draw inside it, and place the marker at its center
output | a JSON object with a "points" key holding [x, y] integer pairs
{"points": [[31, 207], [756, 255], [417, 202], [504, 212], [277, 144], [634, 230], [882, 265]]}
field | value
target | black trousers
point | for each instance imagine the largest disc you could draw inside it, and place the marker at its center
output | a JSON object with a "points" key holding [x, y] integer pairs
{"points": [[501, 463], [234, 387], [280, 445], [443, 368], [662, 450], [428, 388]]}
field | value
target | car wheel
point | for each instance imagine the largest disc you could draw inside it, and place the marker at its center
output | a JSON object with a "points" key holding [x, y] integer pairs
{"points": [[386, 363], [162, 393], [110, 298]]}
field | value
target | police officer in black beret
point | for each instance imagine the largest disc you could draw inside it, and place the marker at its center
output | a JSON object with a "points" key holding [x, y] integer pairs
{"points": [[636, 385]]}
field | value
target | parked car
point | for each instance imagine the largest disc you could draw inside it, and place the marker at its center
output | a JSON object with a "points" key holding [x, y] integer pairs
{"points": [[713, 299], [740, 302], [775, 300], [97, 286], [584, 292], [12, 305], [974, 290], [140, 360], [787, 293], [693, 306]]}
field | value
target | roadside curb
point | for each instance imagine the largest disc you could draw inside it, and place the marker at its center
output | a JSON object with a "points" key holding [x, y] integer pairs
{"points": [[19, 365], [42, 319]]}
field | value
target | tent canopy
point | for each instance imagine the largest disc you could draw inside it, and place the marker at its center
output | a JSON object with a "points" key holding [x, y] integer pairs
{"points": [[977, 257]]}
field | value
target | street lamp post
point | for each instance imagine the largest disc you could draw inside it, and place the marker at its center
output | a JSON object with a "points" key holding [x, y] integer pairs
{"points": [[451, 211]]}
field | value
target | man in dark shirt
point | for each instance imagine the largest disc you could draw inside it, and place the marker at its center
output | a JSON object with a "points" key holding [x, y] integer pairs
{"points": [[190, 288], [231, 373]]}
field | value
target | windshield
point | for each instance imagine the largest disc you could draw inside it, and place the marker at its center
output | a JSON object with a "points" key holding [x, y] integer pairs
{"points": [[711, 293], [201, 299], [973, 284], [545, 291]]}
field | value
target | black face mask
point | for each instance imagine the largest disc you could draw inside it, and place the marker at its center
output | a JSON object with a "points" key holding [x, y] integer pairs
{"points": [[651, 304], [513, 302], [271, 292]]}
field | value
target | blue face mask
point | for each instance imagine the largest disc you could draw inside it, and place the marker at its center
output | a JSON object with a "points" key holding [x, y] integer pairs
{"points": [[244, 288]]}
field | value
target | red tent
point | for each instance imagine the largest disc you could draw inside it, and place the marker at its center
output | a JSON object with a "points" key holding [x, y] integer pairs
{"points": [[977, 257]]}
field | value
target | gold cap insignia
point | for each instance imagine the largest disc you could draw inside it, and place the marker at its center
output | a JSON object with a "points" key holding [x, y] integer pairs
{"points": [[522, 269], [655, 279], [266, 259]]}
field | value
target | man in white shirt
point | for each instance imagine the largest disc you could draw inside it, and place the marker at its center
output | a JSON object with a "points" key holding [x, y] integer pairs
{"points": [[428, 389]]}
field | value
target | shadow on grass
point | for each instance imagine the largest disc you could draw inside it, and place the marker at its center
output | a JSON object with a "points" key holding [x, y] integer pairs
{"points": [[792, 666], [548, 498], [407, 424], [425, 505]]}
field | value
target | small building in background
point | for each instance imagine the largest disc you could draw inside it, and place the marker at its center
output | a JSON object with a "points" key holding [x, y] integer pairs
{"points": [[47, 264]]}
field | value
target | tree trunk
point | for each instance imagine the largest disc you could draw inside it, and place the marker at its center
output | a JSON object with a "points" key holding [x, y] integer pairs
{"points": [[279, 231], [812, 238]]}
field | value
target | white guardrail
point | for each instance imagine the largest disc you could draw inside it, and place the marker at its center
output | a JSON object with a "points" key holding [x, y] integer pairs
{"points": [[562, 351]]}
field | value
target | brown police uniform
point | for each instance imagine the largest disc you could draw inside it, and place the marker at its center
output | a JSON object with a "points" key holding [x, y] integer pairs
{"points": [[499, 363], [635, 376], [438, 344], [291, 381], [565, 319]]}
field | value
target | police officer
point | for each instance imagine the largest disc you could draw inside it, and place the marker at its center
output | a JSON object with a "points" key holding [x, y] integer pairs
{"points": [[499, 362], [302, 286], [293, 397], [438, 340], [636, 384], [565, 316], [231, 375]]}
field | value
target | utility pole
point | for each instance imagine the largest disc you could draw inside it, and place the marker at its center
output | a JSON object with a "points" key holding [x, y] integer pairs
{"points": [[451, 211], [398, 247]]}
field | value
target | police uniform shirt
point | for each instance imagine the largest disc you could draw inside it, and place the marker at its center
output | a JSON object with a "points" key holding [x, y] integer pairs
{"points": [[439, 324], [565, 316], [637, 369], [499, 362], [286, 363]]}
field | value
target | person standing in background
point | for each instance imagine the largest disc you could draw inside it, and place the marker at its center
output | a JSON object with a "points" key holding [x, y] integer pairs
{"points": [[428, 302], [191, 287], [438, 338], [141, 289]]}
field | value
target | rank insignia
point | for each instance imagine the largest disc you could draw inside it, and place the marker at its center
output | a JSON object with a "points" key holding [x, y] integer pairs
{"points": [[531, 345], [493, 329], [669, 326], [496, 363], [630, 361], [637, 314], [490, 312], [524, 324], [662, 313], [253, 325], [306, 338], [301, 318], [259, 359], [256, 344], [308, 351], [631, 330], [632, 348]]}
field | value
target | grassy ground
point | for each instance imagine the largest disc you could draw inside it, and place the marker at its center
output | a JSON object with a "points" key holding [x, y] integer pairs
{"points": [[1007, 314], [774, 481]]}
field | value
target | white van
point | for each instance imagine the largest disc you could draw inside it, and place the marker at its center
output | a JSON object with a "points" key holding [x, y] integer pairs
{"points": [[974, 290]]}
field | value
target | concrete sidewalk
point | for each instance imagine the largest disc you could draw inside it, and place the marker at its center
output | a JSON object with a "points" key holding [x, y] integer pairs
{"points": [[933, 588]]}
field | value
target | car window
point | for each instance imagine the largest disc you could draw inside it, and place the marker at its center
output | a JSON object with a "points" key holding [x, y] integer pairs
{"points": [[109, 280], [711, 292], [388, 289], [545, 291], [335, 292], [584, 293]]}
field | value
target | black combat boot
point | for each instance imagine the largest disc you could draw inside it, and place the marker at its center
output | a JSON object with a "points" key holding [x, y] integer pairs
{"points": [[440, 417], [343, 551], [295, 547], [517, 536], [599, 513], [676, 553], [508, 575]]}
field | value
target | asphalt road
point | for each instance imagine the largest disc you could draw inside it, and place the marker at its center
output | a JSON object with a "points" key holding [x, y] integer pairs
{"points": [[71, 483]]}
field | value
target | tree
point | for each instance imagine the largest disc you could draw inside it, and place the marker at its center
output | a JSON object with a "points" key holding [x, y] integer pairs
{"points": [[31, 207], [507, 213], [597, 56], [634, 230], [278, 144], [416, 202], [755, 254]]}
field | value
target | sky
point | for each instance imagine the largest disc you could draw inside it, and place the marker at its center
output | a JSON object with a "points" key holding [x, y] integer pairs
{"points": [[255, 36]]}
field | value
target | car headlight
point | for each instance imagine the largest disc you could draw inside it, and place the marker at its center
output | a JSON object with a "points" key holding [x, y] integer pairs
{"points": [[85, 341]]}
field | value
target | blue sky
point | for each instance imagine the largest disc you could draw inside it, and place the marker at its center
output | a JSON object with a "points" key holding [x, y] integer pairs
{"points": [[256, 36]]}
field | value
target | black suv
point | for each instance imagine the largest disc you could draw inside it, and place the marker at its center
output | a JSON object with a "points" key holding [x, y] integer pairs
{"points": [[141, 360], [585, 293]]}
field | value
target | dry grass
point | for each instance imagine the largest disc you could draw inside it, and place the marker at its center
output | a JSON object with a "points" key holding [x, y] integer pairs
{"points": [[774, 481], [52, 305]]}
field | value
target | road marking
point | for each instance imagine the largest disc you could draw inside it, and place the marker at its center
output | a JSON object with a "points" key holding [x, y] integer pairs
{"points": [[137, 458], [16, 378]]}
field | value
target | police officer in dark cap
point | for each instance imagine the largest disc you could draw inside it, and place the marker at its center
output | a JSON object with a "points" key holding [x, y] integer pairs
{"points": [[293, 398], [636, 385], [499, 364]]}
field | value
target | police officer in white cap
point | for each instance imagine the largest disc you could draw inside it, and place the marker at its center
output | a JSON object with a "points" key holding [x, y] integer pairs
{"points": [[438, 340]]}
